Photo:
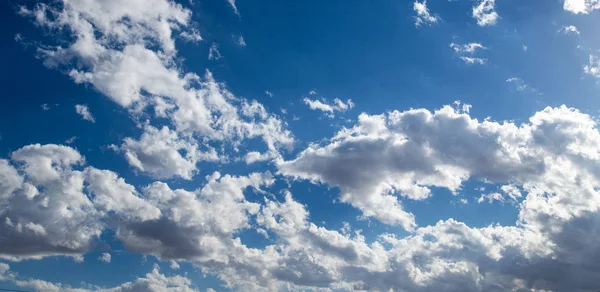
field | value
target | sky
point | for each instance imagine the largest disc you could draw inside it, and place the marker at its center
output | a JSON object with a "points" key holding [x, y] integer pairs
{"points": [[223, 145]]}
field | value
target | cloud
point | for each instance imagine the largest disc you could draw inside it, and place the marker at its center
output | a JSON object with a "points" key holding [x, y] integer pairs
{"points": [[403, 154], [552, 159], [105, 257], [84, 112], [55, 209], [593, 67], [241, 42], [520, 85], [484, 12], [423, 16], [581, 6], [45, 107], [234, 7], [467, 52], [473, 60], [213, 52], [571, 29], [127, 52], [163, 153], [469, 48], [153, 282], [337, 106]]}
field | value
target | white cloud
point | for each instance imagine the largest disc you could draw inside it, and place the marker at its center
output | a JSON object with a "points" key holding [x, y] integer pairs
{"points": [[571, 29], [581, 6], [45, 107], [153, 282], [490, 198], [191, 36], [105, 257], [234, 7], [403, 154], [473, 60], [128, 53], [163, 153], [484, 12], [469, 48], [213, 52], [337, 106], [467, 52], [84, 112], [174, 265], [520, 85], [241, 41], [423, 16], [593, 67]]}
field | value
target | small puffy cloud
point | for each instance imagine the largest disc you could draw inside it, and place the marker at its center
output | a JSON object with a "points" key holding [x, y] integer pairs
{"points": [[468, 51], [191, 36], [45, 107], [484, 12], [593, 67], [213, 52], [330, 108], [490, 198], [174, 265], [581, 6], [241, 42], [105, 257], [423, 16], [570, 30], [84, 112]]}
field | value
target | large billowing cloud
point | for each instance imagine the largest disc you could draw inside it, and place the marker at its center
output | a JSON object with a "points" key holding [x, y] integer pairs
{"points": [[407, 153]]}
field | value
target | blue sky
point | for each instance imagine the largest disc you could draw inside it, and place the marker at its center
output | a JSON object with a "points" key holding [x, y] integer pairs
{"points": [[299, 145]]}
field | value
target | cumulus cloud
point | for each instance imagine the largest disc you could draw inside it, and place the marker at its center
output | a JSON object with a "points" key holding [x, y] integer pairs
{"points": [[404, 154], [581, 6], [484, 12], [127, 52], [163, 153], [153, 282], [423, 16], [571, 29], [84, 112], [105, 257], [337, 106]]}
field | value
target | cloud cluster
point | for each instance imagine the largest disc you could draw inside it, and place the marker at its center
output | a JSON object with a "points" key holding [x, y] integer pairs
{"points": [[153, 282], [423, 17], [407, 153], [128, 53]]}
